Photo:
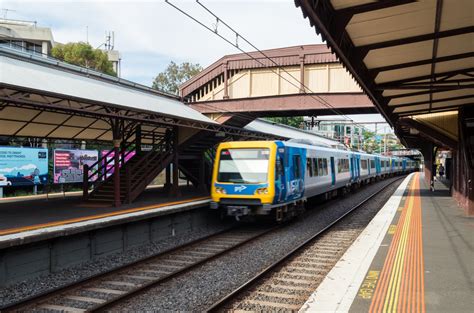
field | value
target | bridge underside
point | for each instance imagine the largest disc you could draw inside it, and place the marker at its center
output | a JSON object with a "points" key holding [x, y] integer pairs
{"points": [[289, 105]]}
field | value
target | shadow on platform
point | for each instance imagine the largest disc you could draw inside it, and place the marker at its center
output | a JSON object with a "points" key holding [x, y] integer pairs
{"points": [[21, 213]]}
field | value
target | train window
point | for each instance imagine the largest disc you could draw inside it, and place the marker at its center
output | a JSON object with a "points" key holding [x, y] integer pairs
{"points": [[315, 167], [342, 165], [323, 167], [244, 166], [309, 167], [372, 163], [363, 164], [296, 166]]}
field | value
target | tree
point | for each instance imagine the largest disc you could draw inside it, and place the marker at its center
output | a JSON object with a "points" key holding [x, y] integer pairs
{"points": [[174, 75], [294, 121], [82, 54]]}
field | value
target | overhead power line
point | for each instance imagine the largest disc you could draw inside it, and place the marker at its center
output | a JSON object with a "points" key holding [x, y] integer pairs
{"points": [[236, 45]]}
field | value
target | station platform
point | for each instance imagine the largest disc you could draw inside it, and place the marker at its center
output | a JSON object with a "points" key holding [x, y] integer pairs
{"points": [[25, 219], [416, 255]]}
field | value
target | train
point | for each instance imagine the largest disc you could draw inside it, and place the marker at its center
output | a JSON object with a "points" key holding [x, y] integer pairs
{"points": [[276, 178]]}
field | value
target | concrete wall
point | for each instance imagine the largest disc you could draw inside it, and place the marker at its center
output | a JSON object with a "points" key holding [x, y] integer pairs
{"points": [[48, 256]]}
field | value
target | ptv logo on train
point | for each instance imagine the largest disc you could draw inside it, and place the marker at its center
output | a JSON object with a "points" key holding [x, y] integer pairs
{"points": [[239, 188]]}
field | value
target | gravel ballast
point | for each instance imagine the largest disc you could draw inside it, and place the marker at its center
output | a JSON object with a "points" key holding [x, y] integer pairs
{"points": [[197, 290], [31, 287]]}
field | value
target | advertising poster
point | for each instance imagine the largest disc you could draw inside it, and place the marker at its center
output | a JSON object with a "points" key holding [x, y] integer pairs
{"points": [[23, 166], [69, 164], [110, 166]]}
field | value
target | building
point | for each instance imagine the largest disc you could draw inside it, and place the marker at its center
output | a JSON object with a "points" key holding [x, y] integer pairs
{"points": [[342, 130], [26, 36], [29, 37]]}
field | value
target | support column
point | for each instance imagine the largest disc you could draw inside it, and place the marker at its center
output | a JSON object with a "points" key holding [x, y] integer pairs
{"points": [[175, 187], [167, 185], [117, 202], [168, 143], [463, 178], [226, 83], [427, 151], [138, 139]]}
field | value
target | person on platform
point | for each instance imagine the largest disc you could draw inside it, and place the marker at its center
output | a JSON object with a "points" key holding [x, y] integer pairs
{"points": [[441, 170]]}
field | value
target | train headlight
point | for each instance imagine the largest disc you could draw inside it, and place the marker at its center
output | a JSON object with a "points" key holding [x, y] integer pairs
{"points": [[262, 191], [220, 190]]}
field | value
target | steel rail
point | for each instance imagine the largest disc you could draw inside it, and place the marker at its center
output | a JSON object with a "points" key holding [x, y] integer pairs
{"points": [[39, 299], [221, 303]]}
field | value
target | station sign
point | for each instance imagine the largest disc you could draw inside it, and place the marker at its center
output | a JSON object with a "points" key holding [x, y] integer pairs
{"points": [[23, 166], [69, 165]]}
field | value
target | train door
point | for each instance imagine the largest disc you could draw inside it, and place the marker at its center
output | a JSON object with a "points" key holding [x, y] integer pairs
{"points": [[357, 166], [353, 174], [280, 188], [333, 171]]}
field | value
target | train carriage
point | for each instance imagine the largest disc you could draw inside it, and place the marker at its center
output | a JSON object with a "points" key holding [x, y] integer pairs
{"points": [[252, 178]]}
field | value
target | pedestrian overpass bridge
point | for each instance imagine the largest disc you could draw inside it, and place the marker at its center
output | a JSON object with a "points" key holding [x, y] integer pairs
{"points": [[293, 81]]}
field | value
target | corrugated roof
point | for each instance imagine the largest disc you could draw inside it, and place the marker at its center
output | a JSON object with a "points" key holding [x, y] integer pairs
{"points": [[411, 57], [264, 126], [33, 76], [288, 56]]}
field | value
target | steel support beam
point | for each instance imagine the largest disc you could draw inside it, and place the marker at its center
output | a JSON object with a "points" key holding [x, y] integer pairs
{"points": [[434, 135], [117, 140], [415, 39], [296, 104], [175, 192]]}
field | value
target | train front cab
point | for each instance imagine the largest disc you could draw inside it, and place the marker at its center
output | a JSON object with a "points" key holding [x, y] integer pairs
{"points": [[252, 178], [241, 176]]}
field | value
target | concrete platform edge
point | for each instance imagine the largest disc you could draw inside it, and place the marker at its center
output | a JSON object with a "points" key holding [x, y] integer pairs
{"points": [[36, 235], [339, 289]]}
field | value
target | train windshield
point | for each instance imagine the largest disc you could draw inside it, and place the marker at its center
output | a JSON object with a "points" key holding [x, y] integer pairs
{"points": [[243, 166]]}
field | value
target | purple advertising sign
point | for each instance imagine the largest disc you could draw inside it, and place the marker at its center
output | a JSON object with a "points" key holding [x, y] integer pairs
{"points": [[69, 164]]}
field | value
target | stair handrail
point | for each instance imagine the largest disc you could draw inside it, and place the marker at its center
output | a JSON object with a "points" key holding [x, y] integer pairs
{"points": [[148, 157], [90, 171]]}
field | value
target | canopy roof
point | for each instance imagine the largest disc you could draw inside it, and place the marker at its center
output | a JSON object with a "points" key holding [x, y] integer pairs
{"points": [[44, 98], [411, 57], [261, 125]]}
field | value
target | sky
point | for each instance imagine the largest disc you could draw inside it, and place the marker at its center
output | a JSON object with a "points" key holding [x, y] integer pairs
{"points": [[149, 34]]}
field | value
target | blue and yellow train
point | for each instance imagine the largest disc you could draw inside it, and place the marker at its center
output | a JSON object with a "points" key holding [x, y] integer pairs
{"points": [[275, 178]]}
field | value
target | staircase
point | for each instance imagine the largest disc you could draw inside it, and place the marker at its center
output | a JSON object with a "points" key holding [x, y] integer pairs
{"points": [[135, 175], [201, 145]]}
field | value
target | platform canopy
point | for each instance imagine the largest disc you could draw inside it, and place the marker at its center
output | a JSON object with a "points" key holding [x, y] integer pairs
{"points": [[264, 126], [411, 57], [45, 98]]}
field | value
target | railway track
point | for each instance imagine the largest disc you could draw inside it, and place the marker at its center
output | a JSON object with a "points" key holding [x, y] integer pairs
{"points": [[286, 284], [102, 291]]}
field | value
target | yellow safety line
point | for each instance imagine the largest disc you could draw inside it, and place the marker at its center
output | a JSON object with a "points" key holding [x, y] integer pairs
{"points": [[93, 217], [402, 277], [403, 248]]}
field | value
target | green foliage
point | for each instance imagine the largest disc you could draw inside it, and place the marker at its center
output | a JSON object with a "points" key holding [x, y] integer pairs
{"points": [[82, 54], [388, 141], [294, 121], [170, 79]]}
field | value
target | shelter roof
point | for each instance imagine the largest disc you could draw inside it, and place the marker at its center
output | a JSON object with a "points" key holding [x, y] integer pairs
{"points": [[264, 126], [411, 57], [45, 98]]}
